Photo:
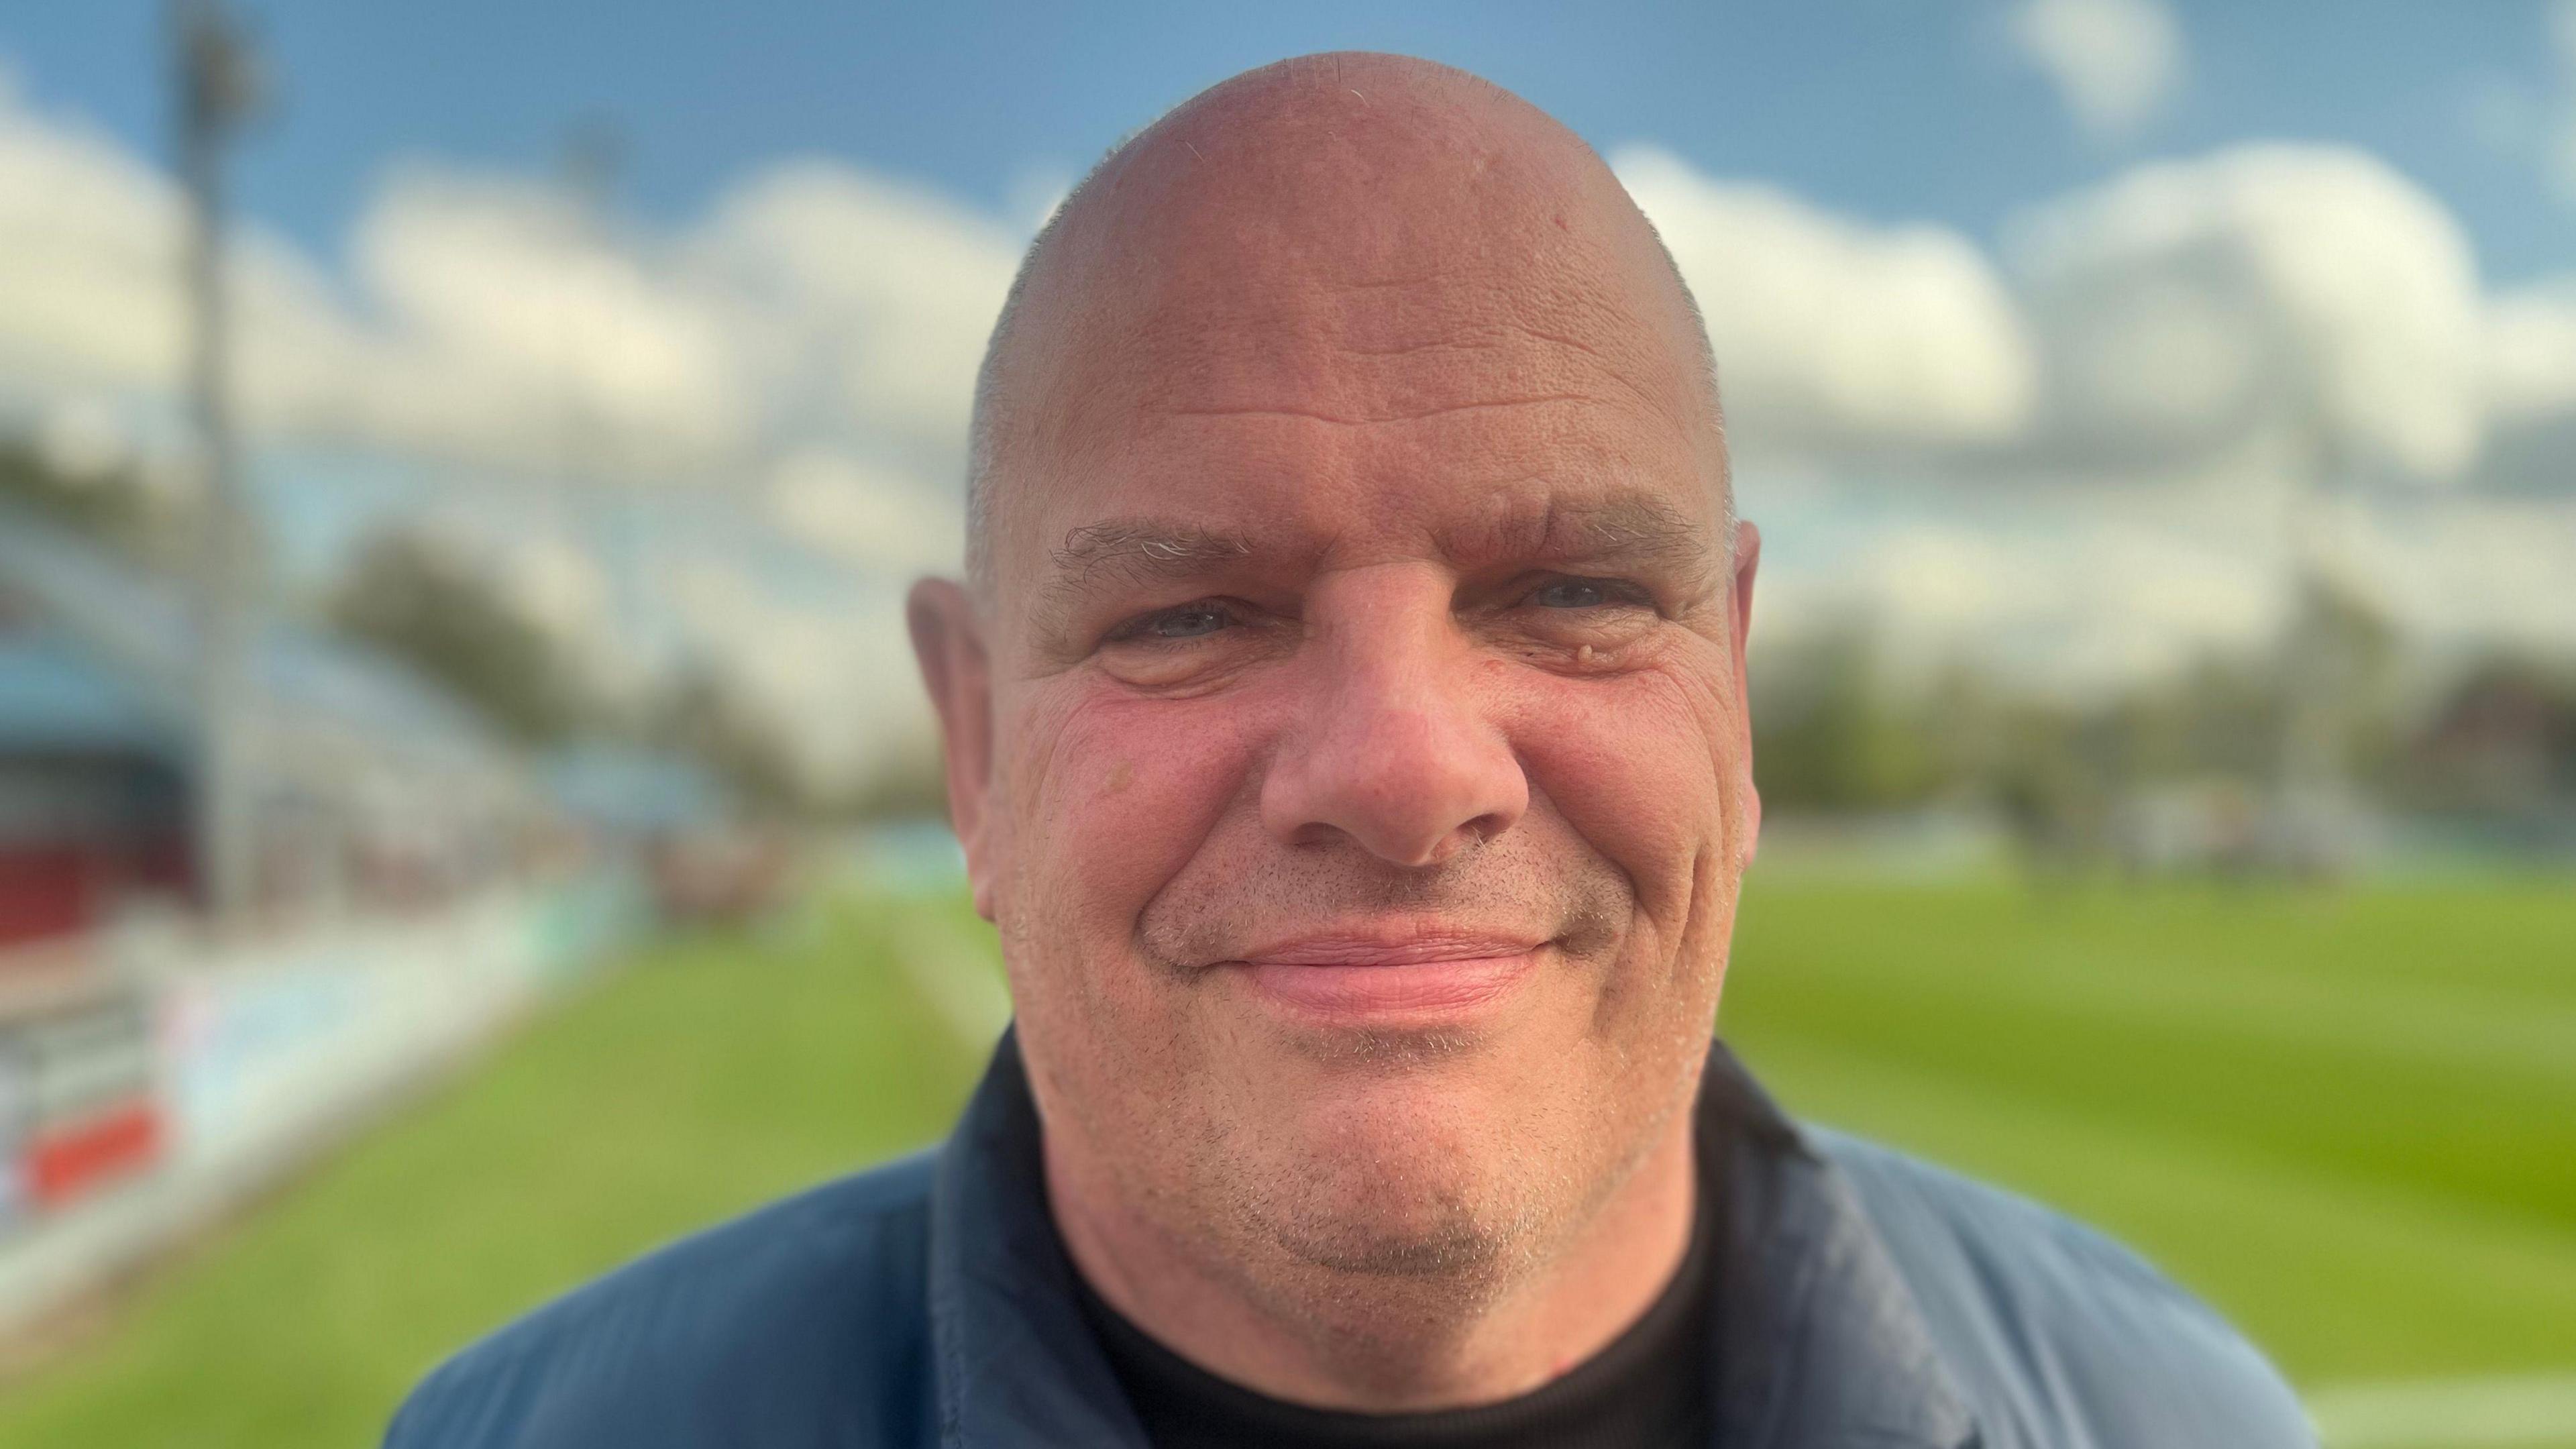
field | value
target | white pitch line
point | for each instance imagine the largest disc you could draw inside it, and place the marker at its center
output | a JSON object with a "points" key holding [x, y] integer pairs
{"points": [[2461, 1413]]}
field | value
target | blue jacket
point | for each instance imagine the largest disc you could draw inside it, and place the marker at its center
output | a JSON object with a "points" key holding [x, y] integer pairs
{"points": [[1866, 1300]]}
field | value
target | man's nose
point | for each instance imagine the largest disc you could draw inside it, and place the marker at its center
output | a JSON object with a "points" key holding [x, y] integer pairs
{"points": [[1392, 746]]}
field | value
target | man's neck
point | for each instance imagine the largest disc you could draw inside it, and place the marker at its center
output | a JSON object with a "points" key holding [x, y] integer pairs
{"points": [[1378, 1342]]}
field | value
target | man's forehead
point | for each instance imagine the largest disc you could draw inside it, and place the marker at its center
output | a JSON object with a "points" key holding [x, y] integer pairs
{"points": [[1410, 350]]}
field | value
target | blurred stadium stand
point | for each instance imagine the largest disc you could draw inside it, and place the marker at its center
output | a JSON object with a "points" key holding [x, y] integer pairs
{"points": [[418, 882], [373, 787]]}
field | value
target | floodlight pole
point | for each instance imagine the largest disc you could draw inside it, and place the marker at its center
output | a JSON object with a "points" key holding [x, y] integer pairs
{"points": [[594, 161], [216, 94], [2312, 764]]}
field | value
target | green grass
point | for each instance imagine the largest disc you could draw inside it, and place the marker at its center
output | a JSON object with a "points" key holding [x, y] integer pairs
{"points": [[710, 1075], [2349, 1119]]}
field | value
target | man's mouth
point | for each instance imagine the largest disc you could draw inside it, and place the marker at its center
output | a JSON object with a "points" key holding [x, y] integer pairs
{"points": [[1373, 978]]}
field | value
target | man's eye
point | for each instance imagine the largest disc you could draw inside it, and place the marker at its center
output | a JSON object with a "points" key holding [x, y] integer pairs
{"points": [[1190, 621], [1573, 594]]}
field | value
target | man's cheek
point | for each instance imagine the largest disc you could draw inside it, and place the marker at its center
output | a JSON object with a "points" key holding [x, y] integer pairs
{"points": [[1137, 787], [1629, 766]]}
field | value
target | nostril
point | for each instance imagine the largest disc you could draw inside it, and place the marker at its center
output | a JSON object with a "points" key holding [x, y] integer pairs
{"points": [[1395, 758]]}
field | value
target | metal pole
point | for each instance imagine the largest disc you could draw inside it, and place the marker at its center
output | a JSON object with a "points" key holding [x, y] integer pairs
{"points": [[594, 163], [216, 93], [2312, 678]]}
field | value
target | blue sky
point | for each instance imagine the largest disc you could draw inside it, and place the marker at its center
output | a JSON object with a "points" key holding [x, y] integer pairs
{"points": [[1886, 109]]}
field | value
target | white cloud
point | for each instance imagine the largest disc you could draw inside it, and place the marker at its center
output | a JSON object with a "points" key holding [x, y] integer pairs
{"points": [[2073, 596], [2311, 290], [2531, 350], [91, 250], [483, 318], [816, 305], [881, 292], [863, 516], [2479, 570], [2074, 600], [2113, 62], [1832, 335], [513, 327], [88, 251]]}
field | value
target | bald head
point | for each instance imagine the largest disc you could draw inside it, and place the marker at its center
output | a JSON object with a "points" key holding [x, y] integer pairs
{"points": [[1346, 224]]}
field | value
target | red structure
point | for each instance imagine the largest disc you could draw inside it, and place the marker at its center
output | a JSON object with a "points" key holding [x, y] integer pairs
{"points": [[93, 800]]}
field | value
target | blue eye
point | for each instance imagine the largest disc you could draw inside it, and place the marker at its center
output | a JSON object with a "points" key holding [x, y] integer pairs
{"points": [[1571, 594]]}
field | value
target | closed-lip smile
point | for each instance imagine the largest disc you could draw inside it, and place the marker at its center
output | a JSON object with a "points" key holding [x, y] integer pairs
{"points": [[1420, 976]]}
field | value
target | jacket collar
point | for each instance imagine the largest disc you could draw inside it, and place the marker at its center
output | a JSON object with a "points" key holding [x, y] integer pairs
{"points": [[1818, 1342], [1016, 1362]]}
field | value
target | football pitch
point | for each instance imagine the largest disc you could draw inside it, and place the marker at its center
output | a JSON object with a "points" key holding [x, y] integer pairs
{"points": [[2346, 1117]]}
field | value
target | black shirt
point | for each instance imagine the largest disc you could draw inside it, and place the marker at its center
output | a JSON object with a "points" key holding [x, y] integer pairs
{"points": [[1648, 1389]]}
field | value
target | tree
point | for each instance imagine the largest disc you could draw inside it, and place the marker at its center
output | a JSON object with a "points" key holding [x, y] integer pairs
{"points": [[698, 715], [422, 603], [1829, 736], [109, 505]]}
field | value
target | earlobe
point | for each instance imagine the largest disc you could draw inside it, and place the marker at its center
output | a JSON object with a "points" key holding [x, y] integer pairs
{"points": [[948, 642], [1748, 559]]}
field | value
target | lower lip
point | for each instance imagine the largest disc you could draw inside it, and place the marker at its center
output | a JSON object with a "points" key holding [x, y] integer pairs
{"points": [[1413, 990]]}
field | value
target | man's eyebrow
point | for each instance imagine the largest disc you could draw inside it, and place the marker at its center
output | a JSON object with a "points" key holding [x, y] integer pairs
{"points": [[1145, 544], [1128, 553], [1631, 528]]}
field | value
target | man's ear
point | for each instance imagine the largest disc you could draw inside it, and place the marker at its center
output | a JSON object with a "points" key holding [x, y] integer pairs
{"points": [[1748, 558], [948, 640]]}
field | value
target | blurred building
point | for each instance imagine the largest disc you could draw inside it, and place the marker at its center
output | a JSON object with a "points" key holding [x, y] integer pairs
{"points": [[669, 815], [2496, 757], [369, 784]]}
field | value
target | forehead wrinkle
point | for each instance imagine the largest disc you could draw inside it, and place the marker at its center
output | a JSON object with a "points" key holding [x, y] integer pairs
{"points": [[1545, 328]]}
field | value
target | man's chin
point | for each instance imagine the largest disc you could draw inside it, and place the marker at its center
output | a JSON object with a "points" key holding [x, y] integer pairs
{"points": [[1361, 1048], [1384, 1213], [1388, 1174], [1376, 1248]]}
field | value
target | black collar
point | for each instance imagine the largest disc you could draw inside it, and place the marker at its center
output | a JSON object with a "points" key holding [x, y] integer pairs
{"points": [[1817, 1342]]}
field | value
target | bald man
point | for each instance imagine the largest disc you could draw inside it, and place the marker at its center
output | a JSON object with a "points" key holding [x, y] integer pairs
{"points": [[1345, 724]]}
